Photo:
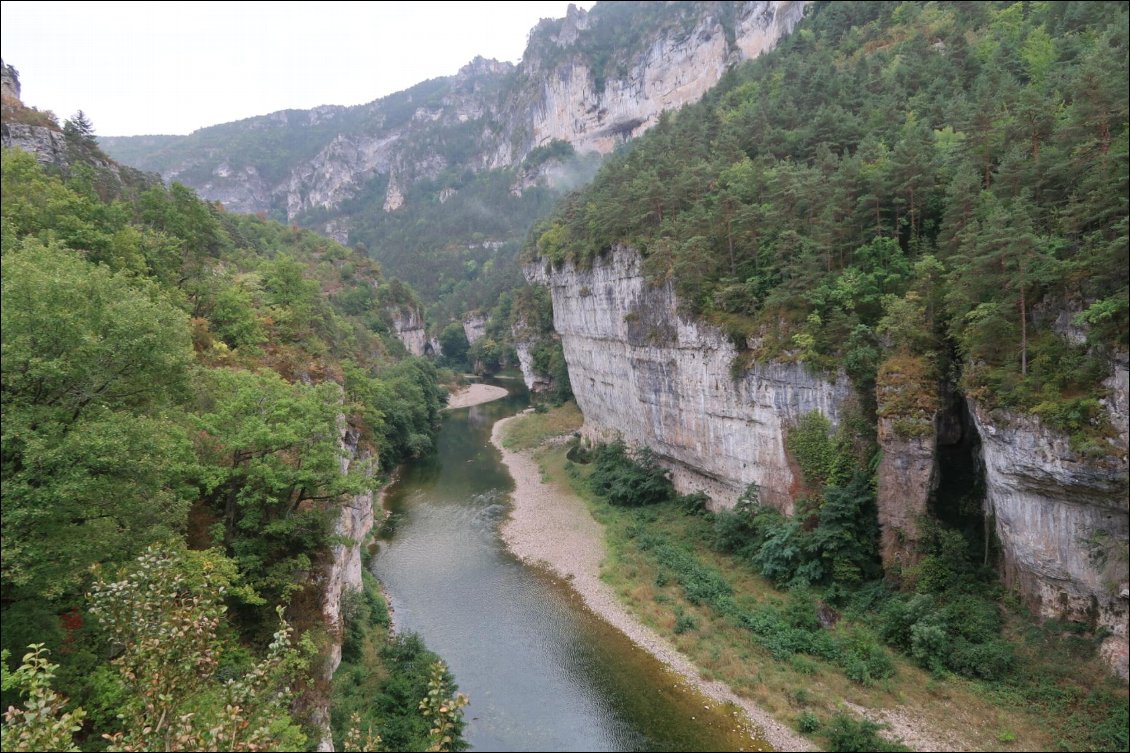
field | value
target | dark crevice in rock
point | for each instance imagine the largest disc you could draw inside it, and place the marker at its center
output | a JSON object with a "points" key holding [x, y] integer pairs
{"points": [[958, 499]]}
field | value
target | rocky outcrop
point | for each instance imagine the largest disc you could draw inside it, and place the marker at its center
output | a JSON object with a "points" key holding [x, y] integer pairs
{"points": [[39, 134], [524, 344], [394, 199], [408, 325], [9, 81], [475, 327], [1062, 519], [26, 128], [642, 371], [906, 395], [904, 480], [677, 66], [351, 531], [47, 144]]}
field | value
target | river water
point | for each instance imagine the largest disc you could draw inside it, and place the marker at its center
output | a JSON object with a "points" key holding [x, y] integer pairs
{"points": [[542, 672]]}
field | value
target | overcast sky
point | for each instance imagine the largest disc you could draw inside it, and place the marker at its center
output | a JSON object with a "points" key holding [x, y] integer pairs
{"points": [[172, 67]]}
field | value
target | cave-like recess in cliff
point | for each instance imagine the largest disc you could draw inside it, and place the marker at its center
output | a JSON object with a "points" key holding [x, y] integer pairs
{"points": [[958, 499]]}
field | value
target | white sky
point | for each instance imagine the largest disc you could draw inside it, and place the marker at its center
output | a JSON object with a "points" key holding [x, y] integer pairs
{"points": [[173, 67]]}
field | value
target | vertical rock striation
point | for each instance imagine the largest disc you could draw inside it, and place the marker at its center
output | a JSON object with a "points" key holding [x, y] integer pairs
{"points": [[905, 477], [408, 324], [351, 530], [1062, 521], [641, 371]]}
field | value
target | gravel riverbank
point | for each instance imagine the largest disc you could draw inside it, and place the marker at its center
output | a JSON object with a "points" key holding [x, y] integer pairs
{"points": [[553, 527]]}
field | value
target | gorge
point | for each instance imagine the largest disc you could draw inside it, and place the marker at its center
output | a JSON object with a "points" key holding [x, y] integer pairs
{"points": [[821, 313]]}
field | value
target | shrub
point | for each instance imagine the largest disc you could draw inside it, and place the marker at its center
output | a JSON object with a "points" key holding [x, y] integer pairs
{"points": [[807, 722], [629, 479], [846, 733]]}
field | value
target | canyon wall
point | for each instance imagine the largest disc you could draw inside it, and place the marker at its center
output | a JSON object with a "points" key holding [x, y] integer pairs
{"points": [[577, 82], [642, 371]]}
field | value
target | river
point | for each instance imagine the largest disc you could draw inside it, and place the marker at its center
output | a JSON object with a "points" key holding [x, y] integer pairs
{"points": [[541, 671]]}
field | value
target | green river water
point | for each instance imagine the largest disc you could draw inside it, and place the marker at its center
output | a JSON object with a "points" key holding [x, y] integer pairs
{"points": [[542, 672]]}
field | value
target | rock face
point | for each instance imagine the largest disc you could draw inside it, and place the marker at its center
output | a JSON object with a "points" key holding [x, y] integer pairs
{"points": [[674, 68], [905, 477], [1062, 520], [354, 523], [475, 327], [409, 327], [353, 526], [9, 81], [571, 85], [25, 128], [641, 371], [524, 344], [47, 144]]}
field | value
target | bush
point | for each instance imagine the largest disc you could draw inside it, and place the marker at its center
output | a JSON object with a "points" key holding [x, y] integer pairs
{"points": [[845, 733], [807, 722], [629, 479], [957, 632], [693, 504]]}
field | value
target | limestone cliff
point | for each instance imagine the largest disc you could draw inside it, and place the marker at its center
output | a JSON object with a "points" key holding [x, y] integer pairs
{"points": [[9, 81], [525, 342], [1062, 519], [642, 371], [578, 81], [408, 324], [575, 100], [25, 127], [351, 530], [475, 326]]}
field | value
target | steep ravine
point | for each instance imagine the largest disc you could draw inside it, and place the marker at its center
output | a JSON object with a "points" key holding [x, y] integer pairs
{"points": [[642, 371]]}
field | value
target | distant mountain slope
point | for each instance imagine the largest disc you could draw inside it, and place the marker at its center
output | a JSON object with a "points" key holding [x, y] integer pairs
{"points": [[491, 132]]}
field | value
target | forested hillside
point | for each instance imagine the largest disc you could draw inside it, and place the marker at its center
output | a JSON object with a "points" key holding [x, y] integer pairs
{"points": [[943, 181], [865, 306], [181, 386]]}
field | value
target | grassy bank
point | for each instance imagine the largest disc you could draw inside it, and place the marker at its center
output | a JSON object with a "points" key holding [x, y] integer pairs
{"points": [[810, 664]]}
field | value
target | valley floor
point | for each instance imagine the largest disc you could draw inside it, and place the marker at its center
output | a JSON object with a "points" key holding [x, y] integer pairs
{"points": [[596, 549], [552, 527]]}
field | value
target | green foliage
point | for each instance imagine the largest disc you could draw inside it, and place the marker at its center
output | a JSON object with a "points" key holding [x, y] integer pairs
{"points": [[400, 405], [94, 468], [382, 678], [164, 616], [784, 630], [847, 733], [976, 186], [819, 455], [42, 723], [629, 479], [949, 624], [807, 722], [444, 711], [164, 619], [271, 463], [172, 372], [454, 346], [838, 543]]}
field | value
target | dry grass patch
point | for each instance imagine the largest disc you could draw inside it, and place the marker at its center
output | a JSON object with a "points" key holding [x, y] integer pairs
{"points": [[530, 430]]}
